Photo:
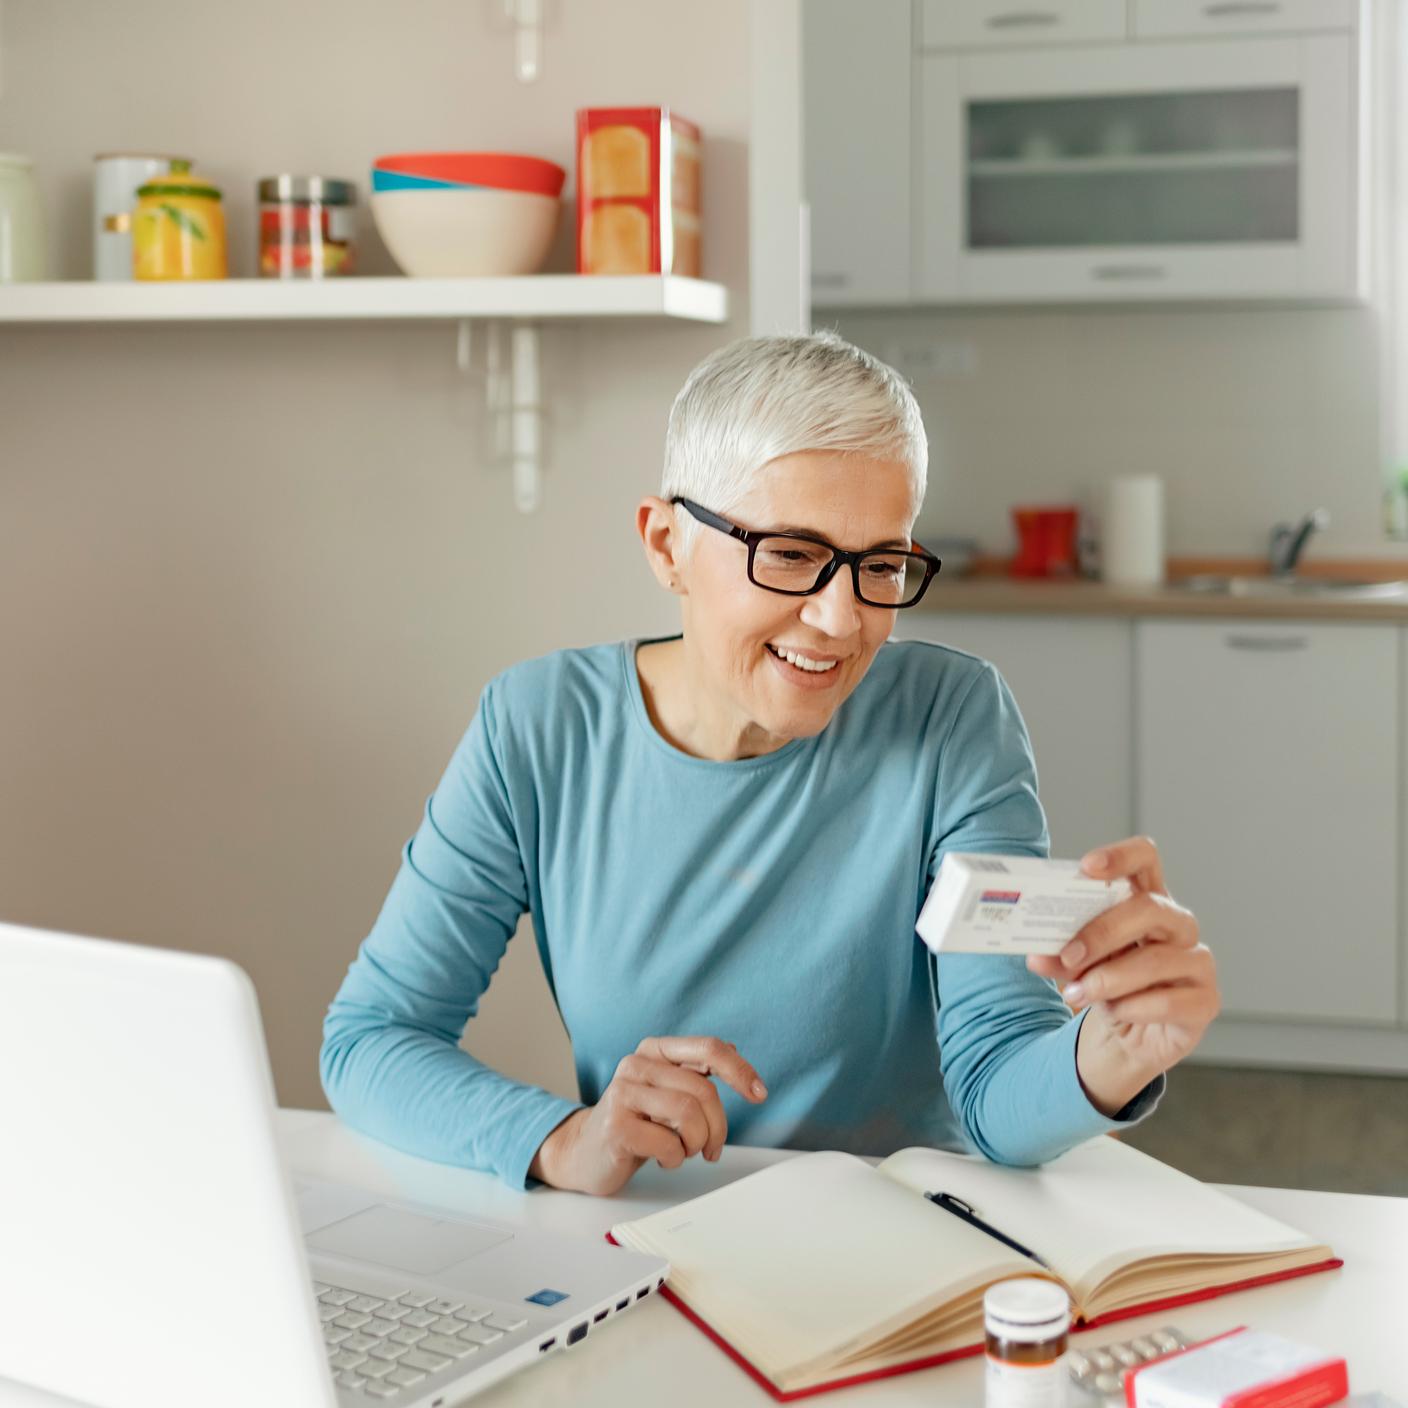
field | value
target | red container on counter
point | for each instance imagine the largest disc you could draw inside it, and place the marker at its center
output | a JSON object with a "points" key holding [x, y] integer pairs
{"points": [[1046, 541], [637, 192]]}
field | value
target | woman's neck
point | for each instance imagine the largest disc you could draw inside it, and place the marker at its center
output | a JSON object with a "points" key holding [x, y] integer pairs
{"points": [[690, 715]]}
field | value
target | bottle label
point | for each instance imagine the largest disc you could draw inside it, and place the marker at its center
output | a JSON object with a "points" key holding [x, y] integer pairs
{"points": [[1025, 1385]]}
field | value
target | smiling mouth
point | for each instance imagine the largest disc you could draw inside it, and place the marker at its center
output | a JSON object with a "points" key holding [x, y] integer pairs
{"points": [[800, 662]]}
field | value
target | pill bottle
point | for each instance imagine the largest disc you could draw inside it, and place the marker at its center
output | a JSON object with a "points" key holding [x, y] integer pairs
{"points": [[1027, 1321]]}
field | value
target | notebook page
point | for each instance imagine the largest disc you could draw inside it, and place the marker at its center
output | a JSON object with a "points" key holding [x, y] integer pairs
{"points": [[807, 1258], [1096, 1206]]}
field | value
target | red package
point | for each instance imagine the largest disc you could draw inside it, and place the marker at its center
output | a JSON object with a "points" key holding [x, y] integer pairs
{"points": [[638, 207], [1241, 1369]]}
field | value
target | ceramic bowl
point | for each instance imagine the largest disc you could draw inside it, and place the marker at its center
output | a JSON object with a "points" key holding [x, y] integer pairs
{"points": [[462, 232], [505, 171]]}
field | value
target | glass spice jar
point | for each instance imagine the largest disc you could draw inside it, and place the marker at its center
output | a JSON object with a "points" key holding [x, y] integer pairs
{"points": [[305, 227]]}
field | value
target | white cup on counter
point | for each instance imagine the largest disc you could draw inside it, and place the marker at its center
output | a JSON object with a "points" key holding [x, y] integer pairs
{"points": [[1132, 552]]}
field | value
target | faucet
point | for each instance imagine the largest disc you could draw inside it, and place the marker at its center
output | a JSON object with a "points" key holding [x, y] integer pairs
{"points": [[1288, 542]]}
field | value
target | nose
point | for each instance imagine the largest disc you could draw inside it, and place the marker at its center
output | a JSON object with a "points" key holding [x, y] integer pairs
{"points": [[833, 610]]}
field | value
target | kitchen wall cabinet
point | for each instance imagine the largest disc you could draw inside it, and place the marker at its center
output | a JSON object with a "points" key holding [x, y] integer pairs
{"points": [[1212, 19], [976, 151], [1268, 770], [856, 150], [1072, 682], [963, 24], [1149, 171]]}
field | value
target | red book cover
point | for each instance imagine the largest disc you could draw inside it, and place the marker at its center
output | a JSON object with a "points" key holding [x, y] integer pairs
{"points": [[930, 1361]]}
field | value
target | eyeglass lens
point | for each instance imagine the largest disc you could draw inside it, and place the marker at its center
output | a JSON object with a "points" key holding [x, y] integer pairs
{"points": [[790, 565]]}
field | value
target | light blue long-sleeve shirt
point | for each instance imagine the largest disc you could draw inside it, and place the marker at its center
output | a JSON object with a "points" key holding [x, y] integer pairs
{"points": [[769, 901]]}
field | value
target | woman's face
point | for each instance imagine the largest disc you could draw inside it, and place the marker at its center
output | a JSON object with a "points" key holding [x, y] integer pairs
{"points": [[735, 630]]}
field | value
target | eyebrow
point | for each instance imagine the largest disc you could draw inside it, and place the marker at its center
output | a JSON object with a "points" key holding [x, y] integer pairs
{"points": [[898, 543]]}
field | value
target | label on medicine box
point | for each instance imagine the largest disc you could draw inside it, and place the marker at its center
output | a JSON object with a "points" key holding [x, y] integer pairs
{"points": [[1012, 904], [1241, 1369]]}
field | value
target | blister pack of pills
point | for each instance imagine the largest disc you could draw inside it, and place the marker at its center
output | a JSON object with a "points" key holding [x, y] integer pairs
{"points": [[1097, 1371]]}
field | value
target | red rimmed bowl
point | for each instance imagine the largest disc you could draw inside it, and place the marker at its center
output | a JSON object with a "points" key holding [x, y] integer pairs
{"points": [[502, 171]]}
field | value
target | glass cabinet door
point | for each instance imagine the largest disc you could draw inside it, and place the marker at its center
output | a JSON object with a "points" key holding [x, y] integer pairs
{"points": [[1208, 168], [1222, 169]]}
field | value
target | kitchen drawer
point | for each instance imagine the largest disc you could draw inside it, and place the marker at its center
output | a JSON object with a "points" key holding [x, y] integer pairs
{"points": [[1206, 19], [1001, 24]]}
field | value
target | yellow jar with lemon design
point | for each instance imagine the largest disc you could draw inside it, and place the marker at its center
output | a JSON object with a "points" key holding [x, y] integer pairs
{"points": [[178, 228]]}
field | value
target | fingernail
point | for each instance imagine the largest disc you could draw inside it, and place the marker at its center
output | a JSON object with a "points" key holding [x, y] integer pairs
{"points": [[1072, 954], [759, 1089], [1073, 992], [1096, 860]]}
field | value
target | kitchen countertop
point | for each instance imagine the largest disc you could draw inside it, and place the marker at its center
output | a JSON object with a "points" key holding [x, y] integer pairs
{"points": [[1018, 596]]}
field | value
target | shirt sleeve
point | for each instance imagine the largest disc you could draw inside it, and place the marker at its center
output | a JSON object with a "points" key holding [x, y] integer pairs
{"points": [[390, 1062], [1007, 1042]]}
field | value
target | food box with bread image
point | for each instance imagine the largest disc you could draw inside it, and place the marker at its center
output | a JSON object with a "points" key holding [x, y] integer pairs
{"points": [[637, 192]]}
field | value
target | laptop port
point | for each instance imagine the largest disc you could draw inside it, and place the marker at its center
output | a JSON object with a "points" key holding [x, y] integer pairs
{"points": [[622, 1304], [599, 1317], [660, 1282], [576, 1333], [547, 1345], [644, 1290]]}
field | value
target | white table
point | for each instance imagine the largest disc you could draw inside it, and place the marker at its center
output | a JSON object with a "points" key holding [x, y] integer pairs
{"points": [[654, 1356]]}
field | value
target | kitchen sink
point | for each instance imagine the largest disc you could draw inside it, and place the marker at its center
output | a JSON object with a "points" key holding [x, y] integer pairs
{"points": [[1331, 588]]}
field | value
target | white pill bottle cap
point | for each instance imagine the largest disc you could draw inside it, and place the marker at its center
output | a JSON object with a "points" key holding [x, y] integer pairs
{"points": [[1028, 1310]]}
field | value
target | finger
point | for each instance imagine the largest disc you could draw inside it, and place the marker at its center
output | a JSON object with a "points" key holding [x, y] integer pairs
{"points": [[1136, 859], [1137, 969], [1140, 917], [711, 1056], [672, 1110], [643, 1139], [645, 1070], [1176, 1005]]}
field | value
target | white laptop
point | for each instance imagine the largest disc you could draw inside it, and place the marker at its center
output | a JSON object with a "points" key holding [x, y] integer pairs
{"points": [[155, 1254]]}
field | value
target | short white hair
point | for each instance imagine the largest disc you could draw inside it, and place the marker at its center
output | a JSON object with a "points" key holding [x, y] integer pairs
{"points": [[760, 398]]}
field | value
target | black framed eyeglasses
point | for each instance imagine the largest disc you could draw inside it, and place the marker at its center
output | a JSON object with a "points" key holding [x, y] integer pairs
{"points": [[797, 565]]}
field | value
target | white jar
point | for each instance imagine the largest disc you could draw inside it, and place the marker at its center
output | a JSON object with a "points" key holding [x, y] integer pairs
{"points": [[116, 176], [21, 221]]}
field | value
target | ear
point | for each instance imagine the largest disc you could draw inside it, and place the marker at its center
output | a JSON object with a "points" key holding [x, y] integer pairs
{"points": [[655, 522]]}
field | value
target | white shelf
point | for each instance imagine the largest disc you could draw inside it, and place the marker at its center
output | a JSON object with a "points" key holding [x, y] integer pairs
{"points": [[531, 297], [1151, 163]]}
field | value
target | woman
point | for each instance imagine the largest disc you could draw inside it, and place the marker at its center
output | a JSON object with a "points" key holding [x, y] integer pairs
{"points": [[724, 839]]}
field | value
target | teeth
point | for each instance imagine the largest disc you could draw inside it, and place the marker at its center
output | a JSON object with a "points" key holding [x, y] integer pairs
{"points": [[816, 667]]}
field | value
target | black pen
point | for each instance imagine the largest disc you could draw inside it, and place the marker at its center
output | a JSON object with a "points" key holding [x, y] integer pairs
{"points": [[961, 1209]]}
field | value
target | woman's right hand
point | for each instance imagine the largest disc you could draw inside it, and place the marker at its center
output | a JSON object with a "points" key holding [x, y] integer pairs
{"points": [[659, 1105]]}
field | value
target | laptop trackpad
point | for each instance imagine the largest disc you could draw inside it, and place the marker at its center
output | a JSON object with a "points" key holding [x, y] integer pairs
{"points": [[405, 1241]]}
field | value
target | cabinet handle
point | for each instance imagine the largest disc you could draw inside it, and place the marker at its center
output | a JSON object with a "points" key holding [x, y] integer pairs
{"points": [[1278, 643], [1228, 9], [830, 280], [1128, 271], [1023, 19]]}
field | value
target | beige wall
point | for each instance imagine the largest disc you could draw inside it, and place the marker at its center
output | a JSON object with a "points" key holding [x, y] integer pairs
{"points": [[1249, 415], [253, 578]]}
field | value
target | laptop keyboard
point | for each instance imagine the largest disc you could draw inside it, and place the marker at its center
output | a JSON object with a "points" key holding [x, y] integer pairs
{"points": [[380, 1346]]}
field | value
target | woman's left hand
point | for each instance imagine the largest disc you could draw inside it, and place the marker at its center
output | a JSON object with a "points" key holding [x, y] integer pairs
{"points": [[1139, 966]]}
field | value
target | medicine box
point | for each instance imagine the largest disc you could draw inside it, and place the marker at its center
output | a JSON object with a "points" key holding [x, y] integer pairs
{"points": [[1012, 904], [1241, 1369]]}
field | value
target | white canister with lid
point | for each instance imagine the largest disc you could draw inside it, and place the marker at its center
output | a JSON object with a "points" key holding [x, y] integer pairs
{"points": [[1132, 540], [21, 221], [116, 176]]}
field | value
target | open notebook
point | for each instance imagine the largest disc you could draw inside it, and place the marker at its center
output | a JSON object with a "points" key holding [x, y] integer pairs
{"points": [[822, 1268]]}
